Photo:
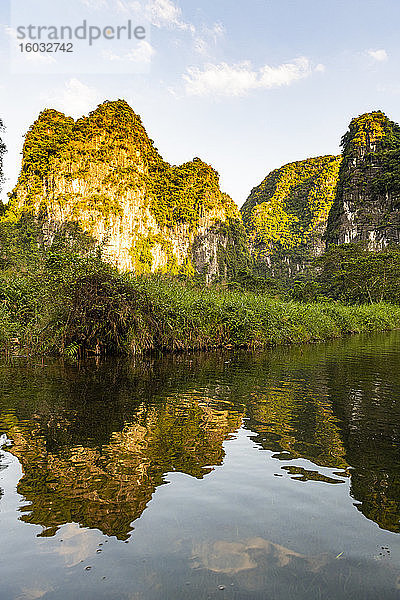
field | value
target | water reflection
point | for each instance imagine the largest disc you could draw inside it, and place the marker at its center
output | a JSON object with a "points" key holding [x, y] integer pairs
{"points": [[232, 557], [95, 441], [108, 486], [255, 564]]}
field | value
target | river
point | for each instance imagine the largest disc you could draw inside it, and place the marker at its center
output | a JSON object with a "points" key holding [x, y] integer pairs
{"points": [[269, 475]]}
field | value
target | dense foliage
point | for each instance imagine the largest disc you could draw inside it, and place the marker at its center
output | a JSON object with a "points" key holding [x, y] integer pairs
{"points": [[352, 274], [286, 214], [66, 299], [185, 193]]}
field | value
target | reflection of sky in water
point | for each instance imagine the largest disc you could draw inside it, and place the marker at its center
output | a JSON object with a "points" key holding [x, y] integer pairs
{"points": [[269, 461], [233, 557]]}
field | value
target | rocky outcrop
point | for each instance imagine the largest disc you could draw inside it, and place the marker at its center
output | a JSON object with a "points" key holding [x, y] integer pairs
{"points": [[367, 202], [104, 173], [286, 215]]}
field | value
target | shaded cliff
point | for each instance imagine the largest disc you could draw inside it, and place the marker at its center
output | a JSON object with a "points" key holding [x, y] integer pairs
{"points": [[367, 202], [286, 215], [104, 173]]}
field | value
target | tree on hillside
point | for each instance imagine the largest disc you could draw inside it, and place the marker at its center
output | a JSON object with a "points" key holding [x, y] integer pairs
{"points": [[352, 273]]}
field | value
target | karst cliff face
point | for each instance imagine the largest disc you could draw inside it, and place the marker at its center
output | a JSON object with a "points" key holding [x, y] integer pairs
{"points": [[367, 202], [286, 215], [104, 173]]}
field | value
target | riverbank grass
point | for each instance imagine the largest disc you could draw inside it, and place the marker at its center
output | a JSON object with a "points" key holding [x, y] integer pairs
{"points": [[113, 313]]}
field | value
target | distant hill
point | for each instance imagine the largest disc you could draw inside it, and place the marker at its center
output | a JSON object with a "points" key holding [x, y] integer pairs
{"points": [[286, 215]]}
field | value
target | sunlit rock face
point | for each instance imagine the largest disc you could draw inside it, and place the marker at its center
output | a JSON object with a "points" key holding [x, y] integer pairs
{"points": [[286, 215], [104, 173], [367, 202]]}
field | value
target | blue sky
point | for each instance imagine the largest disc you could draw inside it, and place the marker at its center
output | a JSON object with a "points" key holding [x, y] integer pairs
{"points": [[247, 86]]}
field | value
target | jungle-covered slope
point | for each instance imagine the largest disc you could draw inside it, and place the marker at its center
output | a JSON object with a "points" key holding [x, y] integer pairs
{"points": [[286, 215], [103, 173]]}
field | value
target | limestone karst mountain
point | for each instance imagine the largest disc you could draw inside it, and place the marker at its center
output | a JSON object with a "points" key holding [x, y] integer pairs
{"points": [[104, 173], [367, 202], [286, 215], [304, 206]]}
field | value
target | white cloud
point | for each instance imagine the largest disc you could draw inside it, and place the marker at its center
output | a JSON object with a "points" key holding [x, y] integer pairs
{"points": [[241, 78], [160, 13], [165, 13], [378, 55], [142, 54], [74, 98], [121, 6], [208, 38], [96, 4]]}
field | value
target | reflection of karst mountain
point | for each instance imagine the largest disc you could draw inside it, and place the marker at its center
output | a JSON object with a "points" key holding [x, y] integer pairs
{"points": [[296, 423], [95, 441], [346, 416], [366, 390], [108, 487]]}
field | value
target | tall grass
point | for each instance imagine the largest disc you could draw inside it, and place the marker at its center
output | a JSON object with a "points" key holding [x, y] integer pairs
{"points": [[108, 312]]}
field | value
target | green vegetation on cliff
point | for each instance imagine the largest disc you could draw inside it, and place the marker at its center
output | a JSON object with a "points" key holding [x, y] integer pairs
{"points": [[286, 214], [104, 173], [111, 133], [352, 274], [368, 175], [185, 193]]}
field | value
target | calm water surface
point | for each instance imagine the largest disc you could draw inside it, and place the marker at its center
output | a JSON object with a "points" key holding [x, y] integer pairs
{"points": [[272, 476]]}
